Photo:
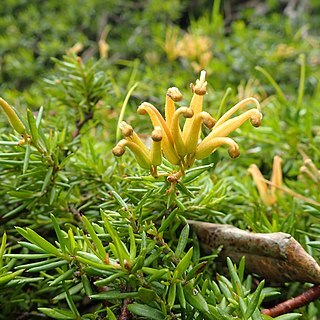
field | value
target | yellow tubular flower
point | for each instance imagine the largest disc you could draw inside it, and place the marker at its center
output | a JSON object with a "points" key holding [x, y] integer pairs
{"points": [[309, 163], [232, 124], [264, 192], [199, 90], [205, 148], [191, 141], [142, 158], [305, 170], [167, 139], [130, 135], [156, 155], [12, 117], [175, 129], [276, 177], [309, 168], [156, 118], [235, 108], [173, 95]]}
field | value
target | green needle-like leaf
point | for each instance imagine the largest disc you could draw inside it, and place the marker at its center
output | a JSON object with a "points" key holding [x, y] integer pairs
{"points": [[100, 248], [183, 265], [145, 311]]}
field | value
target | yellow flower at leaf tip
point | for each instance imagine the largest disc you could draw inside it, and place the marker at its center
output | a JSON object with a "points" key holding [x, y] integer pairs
{"points": [[180, 146], [13, 118]]}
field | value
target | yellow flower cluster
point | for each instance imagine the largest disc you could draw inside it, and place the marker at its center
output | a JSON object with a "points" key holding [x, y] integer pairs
{"points": [[195, 48], [181, 147]]}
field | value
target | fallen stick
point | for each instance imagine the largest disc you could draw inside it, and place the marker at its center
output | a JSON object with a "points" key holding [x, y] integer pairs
{"points": [[274, 256]]}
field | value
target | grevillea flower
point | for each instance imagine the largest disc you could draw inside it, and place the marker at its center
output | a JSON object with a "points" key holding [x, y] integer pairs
{"points": [[181, 146], [267, 191], [309, 169], [270, 191]]}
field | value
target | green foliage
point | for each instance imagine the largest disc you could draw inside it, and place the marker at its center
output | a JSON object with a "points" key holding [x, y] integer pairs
{"points": [[87, 236]]}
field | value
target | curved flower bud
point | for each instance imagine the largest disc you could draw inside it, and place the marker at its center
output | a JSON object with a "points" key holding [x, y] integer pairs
{"points": [[267, 198], [199, 90], [119, 149], [175, 129], [126, 129], [173, 95], [191, 141], [130, 135], [235, 108], [309, 168], [157, 120], [13, 118], [310, 164], [232, 124], [205, 148], [306, 171], [142, 158], [156, 156]]}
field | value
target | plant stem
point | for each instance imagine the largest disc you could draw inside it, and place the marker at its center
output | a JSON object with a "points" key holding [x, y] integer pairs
{"points": [[303, 299]]}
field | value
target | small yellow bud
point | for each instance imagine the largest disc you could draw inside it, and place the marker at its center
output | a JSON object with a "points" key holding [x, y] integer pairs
{"points": [[207, 120], [307, 162], [119, 149], [256, 118], [156, 134], [13, 118], [234, 152], [174, 94], [303, 169], [310, 164], [200, 88], [199, 91], [126, 129]]}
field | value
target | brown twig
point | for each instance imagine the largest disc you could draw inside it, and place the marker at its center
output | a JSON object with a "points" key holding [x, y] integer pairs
{"points": [[125, 314], [303, 299], [80, 124]]}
